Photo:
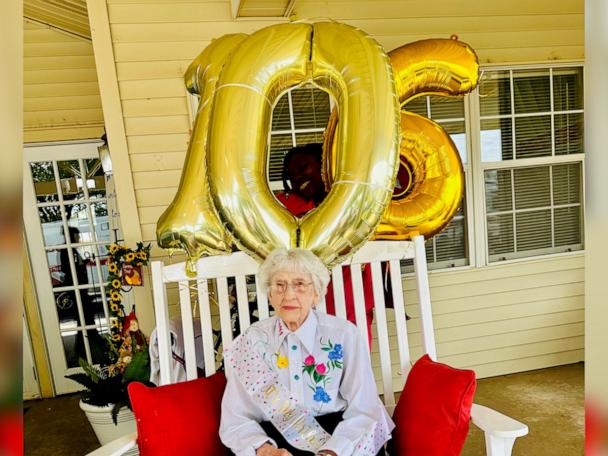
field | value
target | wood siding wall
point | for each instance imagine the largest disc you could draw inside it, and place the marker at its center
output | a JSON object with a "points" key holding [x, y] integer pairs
{"points": [[61, 95], [497, 320]]}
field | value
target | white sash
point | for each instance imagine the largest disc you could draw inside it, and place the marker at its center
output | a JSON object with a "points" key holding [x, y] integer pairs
{"points": [[294, 422]]}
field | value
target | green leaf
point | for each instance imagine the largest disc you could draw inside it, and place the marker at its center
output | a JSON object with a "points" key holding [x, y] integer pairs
{"points": [[326, 349], [138, 369], [317, 377]]}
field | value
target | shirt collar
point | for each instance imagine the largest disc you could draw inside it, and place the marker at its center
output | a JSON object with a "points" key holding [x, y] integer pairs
{"points": [[305, 333]]}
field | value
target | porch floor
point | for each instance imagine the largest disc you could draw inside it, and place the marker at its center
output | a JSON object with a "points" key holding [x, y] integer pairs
{"points": [[549, 401]]}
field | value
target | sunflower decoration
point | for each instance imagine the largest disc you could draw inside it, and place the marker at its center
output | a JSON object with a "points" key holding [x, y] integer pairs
{"points": [[123, 263]]}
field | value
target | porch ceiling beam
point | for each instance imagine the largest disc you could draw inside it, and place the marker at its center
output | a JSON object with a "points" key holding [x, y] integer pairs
{"points": [[289, 8]]}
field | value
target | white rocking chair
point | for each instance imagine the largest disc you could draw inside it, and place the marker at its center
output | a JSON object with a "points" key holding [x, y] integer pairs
{"points": [[500, 430]]}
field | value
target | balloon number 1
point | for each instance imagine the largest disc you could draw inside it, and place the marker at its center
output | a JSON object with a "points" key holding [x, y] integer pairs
{"points": [[224, 197]]}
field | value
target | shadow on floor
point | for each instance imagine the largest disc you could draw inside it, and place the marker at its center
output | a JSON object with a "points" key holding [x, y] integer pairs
{"points": [[549, 401]]}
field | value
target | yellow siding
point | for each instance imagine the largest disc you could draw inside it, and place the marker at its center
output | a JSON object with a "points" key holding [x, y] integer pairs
{"points": [[497, 320], [61, 95]]}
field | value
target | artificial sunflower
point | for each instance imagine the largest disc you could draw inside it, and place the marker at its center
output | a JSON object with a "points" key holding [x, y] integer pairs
{"points": [[130, 256], [113, 268], [114, 307], [116, 283], [114, 322], [114, 248], [115, 296], [116, 337]]}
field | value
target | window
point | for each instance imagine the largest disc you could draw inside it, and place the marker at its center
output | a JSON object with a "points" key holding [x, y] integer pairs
{"points": [[450, 247], [299, 117], [531, 140]]}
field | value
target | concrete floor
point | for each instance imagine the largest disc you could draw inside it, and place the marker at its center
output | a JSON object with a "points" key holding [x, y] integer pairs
{"points": [[549, 401]]}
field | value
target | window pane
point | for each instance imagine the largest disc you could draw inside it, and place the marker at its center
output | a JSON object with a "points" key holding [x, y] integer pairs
{"points": [[447, 108], [450, 244], [567, 89], [532, 187], [98, 345], [101, 222], [457, 132], [498, 190], [569, 134], [306, 138], [567, 184], [533, 136], [568, 227], [310, 108], [495, 93], [496, 140], [500, 234], [67, 309], [531, 91], [52, 225], [279, 145], [78, 223], [533, 230], [96, 181], [71, 179], [418, 106], [45, 186], [73, 346], [280, 114]]}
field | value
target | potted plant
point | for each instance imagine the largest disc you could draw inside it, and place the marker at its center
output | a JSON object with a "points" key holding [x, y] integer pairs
{"points": [[105, 400]]}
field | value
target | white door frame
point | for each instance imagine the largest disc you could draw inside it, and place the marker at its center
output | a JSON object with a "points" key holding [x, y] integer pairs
{"points": [[35, 240], [31, 387]]}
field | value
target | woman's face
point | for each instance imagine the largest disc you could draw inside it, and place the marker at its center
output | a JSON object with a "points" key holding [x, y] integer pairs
{"points": [[292, 295], [304, 172]]}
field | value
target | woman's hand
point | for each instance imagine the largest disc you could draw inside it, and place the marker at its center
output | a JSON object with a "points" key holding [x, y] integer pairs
{"points": [[268, 450]]}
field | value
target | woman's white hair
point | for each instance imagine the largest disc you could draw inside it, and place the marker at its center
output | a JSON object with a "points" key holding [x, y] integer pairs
{"points": [[294, 260]]}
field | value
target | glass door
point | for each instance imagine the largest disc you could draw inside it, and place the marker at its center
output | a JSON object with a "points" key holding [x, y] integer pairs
{"points": [[68, 225]]}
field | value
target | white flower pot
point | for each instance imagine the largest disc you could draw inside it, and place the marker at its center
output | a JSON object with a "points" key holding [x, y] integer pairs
{"points": [[103, 426]]}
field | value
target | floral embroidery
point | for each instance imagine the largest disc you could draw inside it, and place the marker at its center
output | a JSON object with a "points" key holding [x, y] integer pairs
{"points": [[318, 372], [282, 361], [335, 354], [321, 395]]}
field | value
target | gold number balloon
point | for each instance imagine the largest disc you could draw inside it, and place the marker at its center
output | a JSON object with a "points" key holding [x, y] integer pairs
{"points": [[354, 69], [191, 221], [430, 176]]}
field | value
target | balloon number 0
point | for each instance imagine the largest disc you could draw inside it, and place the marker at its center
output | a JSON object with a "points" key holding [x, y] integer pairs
{"points": [[223, 196]]}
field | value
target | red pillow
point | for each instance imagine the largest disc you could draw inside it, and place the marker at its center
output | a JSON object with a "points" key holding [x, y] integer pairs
{"points": [[432, 416], [183, 418]]}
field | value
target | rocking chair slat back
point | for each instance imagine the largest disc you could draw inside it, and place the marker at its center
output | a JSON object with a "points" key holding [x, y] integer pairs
{"points": [[222, 280]]}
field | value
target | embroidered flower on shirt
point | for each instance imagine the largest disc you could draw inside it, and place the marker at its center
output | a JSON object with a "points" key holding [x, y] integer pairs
{"points": [[309, 360], [282, 361], [321, 369], [321, 395], [336, 353]]}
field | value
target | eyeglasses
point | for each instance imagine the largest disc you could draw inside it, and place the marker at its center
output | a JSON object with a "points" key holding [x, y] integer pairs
{"points": [[298, 286]]}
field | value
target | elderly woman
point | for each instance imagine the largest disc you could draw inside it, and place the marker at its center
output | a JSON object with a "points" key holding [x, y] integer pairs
{"points": [[301, 383]]}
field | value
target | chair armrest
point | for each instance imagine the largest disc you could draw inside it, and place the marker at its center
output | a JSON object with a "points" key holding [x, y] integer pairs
{"points": [[117, 447], [496, 424]]}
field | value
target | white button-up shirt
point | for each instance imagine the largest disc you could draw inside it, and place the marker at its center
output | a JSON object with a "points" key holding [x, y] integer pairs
{"points": [[326, 366]]}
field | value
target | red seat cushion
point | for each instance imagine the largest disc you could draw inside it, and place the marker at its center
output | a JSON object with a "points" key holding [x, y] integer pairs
{"points": [[432, 416], [183, 418]]}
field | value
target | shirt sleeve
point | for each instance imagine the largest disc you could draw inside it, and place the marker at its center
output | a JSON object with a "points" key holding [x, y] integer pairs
{"points": [[239, 425], [366, 425]]}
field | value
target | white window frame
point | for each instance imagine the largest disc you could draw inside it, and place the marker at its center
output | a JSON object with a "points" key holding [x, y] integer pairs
{"points": [[479, 167]]}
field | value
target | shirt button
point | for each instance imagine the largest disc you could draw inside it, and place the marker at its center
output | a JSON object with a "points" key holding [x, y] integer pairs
{"points": [[297, 377], [294, 347]]}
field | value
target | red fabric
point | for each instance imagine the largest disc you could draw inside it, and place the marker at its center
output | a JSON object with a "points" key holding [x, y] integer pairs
{"points": [[432, 416], [298, 206], [11, 433], [295, 204], [183, 418]]}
